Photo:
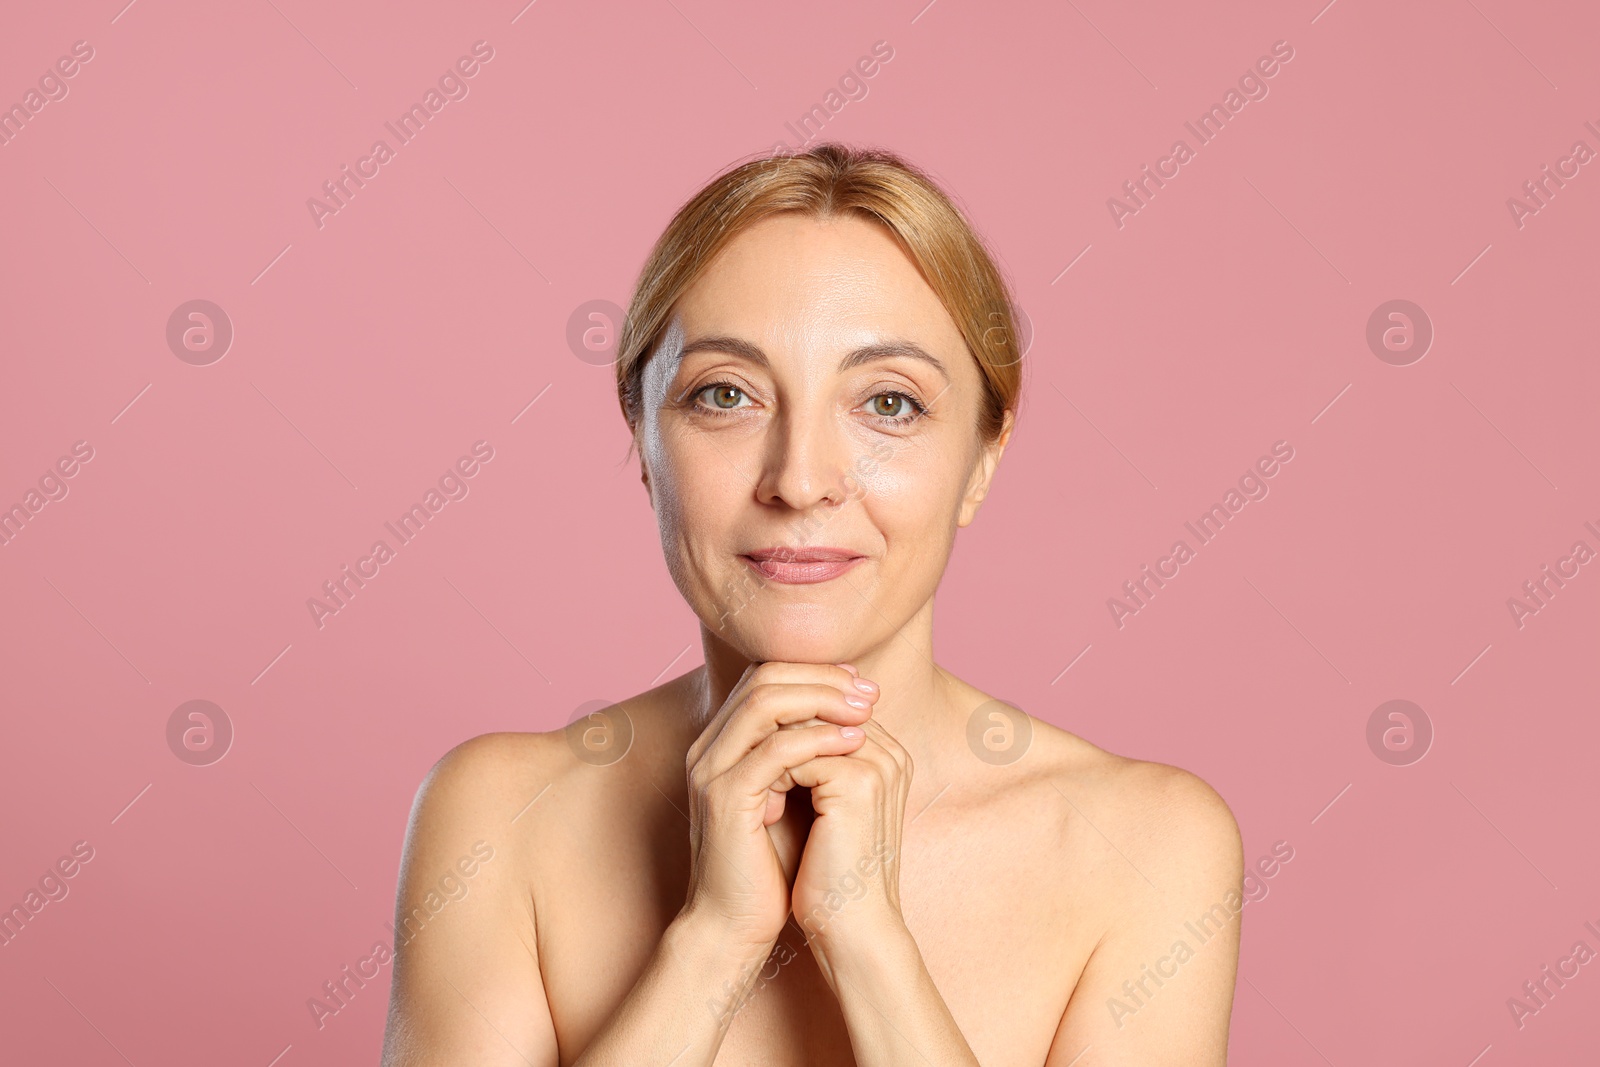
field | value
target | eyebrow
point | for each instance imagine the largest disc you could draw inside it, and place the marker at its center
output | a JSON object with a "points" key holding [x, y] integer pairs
{"points": [[857, 357]]}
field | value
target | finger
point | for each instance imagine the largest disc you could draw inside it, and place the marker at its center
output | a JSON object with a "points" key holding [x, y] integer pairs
{"points": [[748, 785], [775, 708], [778, 673]]}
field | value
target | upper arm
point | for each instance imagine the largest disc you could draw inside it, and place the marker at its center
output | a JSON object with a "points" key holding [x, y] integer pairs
{"points": [[1158, 988], [467, 985]]}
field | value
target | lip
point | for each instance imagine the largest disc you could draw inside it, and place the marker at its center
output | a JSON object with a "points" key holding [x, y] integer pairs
{"points": [[802, 566]]}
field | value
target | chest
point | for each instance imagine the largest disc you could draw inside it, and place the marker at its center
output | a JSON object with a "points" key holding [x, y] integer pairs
{"points": [[1002, 925]]}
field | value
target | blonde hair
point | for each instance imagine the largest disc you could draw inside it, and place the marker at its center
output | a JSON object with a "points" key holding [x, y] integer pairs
{"points": [[828, 181]]}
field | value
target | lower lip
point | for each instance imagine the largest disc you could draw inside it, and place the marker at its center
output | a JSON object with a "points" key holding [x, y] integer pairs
{"points": [[801, 573]]}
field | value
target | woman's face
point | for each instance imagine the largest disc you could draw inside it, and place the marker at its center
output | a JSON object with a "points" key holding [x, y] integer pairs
{"points": [[787, 408]]}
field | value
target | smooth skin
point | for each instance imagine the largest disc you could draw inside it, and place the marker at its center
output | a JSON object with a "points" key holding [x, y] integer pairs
{"points": [[746, 880]]}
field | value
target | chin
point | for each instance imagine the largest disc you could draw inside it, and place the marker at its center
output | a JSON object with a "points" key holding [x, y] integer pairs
{"points": [[792, 635]]}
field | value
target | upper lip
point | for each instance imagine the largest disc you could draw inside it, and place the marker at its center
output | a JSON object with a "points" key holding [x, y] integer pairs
{"points": [[810, 554]]}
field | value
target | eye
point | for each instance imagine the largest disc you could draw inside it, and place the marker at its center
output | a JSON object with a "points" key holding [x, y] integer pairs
{"points": [[895, 406], [725, 396]]}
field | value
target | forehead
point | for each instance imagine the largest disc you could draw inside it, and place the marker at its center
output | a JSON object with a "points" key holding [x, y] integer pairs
{"points": [[791, 282]]}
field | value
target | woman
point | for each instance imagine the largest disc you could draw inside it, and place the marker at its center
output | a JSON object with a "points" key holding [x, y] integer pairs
{"points": [[820, 847]]}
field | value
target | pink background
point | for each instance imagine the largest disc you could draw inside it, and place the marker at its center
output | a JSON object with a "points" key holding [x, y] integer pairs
{"points": [[1228, 314]]}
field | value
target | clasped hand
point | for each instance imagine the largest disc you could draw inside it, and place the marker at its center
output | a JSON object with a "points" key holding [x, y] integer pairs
{"points": [[758, 853]]}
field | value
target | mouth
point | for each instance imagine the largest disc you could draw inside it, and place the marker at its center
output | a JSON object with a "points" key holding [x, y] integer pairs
{"points": [[802, 566]]}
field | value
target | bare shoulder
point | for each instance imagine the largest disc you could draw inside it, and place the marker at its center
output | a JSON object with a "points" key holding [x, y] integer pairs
{"points": [[1162, 849], [1152, 805], [466, 947], [476, 779]]}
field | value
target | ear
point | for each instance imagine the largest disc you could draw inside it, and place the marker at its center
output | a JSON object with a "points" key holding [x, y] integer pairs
{"points": [[983, 472], [644, 476]]}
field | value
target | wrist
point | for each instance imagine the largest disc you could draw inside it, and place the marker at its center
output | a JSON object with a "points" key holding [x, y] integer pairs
{"points": [[867, 955], [716, 959]]}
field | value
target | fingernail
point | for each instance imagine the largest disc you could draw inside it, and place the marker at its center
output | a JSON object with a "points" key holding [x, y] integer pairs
{"points": [[850, 667], [851, 732], [856, 702], [866, 686]]}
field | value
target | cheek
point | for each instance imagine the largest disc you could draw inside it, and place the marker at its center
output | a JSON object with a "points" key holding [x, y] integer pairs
{"points": [[912, 497]]}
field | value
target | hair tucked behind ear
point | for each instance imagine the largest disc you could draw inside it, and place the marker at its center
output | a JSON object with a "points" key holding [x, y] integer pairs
{"points": [[828, 181]]}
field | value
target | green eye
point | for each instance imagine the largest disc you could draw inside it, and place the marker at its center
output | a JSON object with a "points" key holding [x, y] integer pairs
{"points": [[732, 393]]}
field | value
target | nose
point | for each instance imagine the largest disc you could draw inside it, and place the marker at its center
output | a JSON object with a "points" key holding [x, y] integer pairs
{"points": [[804, 461]]}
